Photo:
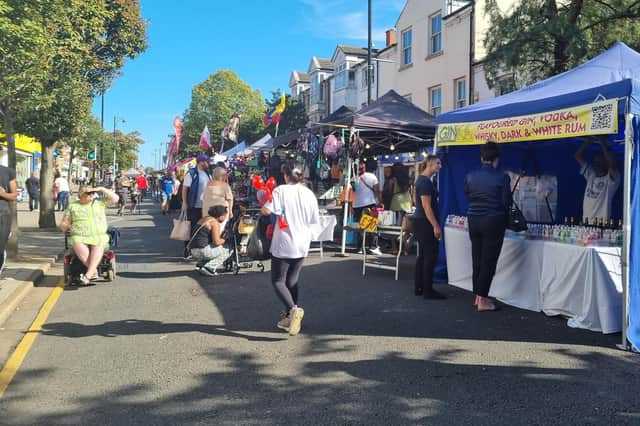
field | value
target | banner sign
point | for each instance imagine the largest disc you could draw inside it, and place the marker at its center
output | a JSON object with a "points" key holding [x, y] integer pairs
{"points": [[598, 118], [368, 223]]}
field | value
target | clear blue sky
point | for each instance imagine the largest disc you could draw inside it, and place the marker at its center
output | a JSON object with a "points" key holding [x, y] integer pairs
{"points": [[262, 41]]}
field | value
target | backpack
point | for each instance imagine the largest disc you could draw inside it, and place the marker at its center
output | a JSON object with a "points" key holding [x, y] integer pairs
{"points": [[331, 146], [259, 244], [313, 146]]}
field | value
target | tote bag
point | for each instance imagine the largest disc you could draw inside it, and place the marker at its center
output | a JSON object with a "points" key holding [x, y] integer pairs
{"points": [[181, 228]]}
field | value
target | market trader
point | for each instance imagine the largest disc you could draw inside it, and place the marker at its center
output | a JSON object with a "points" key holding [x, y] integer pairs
{"points": [[603, 180]]}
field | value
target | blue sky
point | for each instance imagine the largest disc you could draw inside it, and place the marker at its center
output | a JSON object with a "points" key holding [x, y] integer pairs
{"points": [[262, 41]]}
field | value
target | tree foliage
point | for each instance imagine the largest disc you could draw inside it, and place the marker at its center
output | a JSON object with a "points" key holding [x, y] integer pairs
{"points": [[294, 116], [537, 39], [213, 102], [56, 54]]}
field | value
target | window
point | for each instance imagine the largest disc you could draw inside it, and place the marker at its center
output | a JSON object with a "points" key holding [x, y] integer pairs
{"points": [[323, 87], [435, 101], [460, 93], [436, 34], [315, 89], [406, 47], [505, 84], [341, 76], [352, 78], [365, 72]]}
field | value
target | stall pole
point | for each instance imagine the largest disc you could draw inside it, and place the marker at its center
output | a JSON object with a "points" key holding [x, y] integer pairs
{"points": [[626, 234], [345, 216]]}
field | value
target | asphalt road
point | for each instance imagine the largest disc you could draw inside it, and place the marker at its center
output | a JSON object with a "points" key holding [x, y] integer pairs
{"points": [[164, 346]]}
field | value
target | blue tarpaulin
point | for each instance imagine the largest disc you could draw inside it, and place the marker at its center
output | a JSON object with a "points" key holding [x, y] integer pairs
{"points": [[614, 74]]}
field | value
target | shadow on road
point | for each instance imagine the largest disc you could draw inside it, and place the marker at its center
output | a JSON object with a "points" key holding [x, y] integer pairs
{"points": [[132, 327]]}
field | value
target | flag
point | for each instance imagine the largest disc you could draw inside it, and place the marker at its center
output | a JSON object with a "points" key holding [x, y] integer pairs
{"points": [[177, 127], [205, 139], [281, 106]]}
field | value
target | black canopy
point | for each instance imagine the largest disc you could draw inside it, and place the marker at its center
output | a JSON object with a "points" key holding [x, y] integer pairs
{"points": [[391, 123]]}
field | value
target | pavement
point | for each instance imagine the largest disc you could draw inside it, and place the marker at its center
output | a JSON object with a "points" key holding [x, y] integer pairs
{"points": [[163, 345], [38, 250]]}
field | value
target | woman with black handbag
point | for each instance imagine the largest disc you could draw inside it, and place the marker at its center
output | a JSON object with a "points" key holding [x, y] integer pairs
{"points": [[489, 195]]}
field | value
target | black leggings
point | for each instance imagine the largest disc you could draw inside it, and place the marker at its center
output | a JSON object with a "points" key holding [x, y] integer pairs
{"points": [[5, 230], [428, 255], [284, 278], [487, 235]]}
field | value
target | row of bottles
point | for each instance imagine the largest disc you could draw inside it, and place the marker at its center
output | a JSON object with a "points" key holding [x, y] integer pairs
{"points": [[596, 222], [593, 232]]}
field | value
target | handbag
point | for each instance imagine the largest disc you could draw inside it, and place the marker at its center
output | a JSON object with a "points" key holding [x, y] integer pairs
{"points": [[515, 219], [181, 228]]}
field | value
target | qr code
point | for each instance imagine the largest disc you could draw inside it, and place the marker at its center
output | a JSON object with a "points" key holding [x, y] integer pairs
{"points": [[602, 117]]}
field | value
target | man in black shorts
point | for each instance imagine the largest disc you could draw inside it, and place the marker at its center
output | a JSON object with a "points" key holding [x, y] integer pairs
{"points": [[121, 188]]}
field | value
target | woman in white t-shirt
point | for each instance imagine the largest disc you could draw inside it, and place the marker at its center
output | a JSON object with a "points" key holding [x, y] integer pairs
{"points": [[297, 210], [61, 190]]}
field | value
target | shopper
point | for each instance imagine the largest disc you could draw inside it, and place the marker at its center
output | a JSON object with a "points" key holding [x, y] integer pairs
{"points": [[387, 188], [297, 209], [168, 189], [489, 195], [8, 192], [603, 180], [33, 189], [427, 229], [195, 181], [142, 185], [367, 196], [61, 188], [207, 244], [218, 193], [121, 185]]}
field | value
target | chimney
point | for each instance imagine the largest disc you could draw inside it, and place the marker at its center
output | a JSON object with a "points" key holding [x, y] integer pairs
{"points": [[391, 37]]}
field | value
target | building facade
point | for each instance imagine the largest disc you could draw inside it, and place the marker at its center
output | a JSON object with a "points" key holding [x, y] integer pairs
{"points": [[318, 104], [298, 83]]}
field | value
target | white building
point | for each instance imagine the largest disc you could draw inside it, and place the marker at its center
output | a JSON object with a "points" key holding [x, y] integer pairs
{"points": [[440, 53], [317, 105], [299, 82]]}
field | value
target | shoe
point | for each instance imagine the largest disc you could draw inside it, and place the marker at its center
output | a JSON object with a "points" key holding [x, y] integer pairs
{"points": [[207, 272], [434, 295], [84, 280], [494, 309], [295, 323], [375, 251], [284, 323]]}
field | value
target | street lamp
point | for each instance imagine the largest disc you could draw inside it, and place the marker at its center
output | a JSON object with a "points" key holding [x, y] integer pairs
{"points": [[115, 141]]}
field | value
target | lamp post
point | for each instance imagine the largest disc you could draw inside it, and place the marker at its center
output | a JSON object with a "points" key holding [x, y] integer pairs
{"points": [[115, 141], [369, 64]]}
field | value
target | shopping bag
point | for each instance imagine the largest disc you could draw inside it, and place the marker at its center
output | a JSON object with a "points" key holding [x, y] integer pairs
{"points": [[387, 218], [181, 228]]}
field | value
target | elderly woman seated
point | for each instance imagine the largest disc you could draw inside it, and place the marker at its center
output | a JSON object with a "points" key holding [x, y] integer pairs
{"points": [[86, 221]]}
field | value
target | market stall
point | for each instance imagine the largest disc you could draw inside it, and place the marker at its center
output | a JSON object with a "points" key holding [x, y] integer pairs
{"points": [[387, 127], [541, 127]]}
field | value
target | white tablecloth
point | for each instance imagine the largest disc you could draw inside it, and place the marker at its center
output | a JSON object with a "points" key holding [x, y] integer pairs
{"points": [[582, 283], [324, 230]]}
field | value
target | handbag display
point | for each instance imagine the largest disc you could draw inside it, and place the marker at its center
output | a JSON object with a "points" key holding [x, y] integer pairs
{"points": [[515, 219], [181, 228]]}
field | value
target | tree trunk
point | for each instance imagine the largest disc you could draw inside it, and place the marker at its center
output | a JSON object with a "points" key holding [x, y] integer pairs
{"points": [[71, 157], [47, 216], [12, 244]]}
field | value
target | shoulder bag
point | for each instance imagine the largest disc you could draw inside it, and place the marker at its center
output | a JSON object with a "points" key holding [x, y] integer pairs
{"points": [[515, 219]]}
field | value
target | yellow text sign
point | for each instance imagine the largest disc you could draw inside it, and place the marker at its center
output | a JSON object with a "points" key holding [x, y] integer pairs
{"points": [[368, 223], [598, 118]]}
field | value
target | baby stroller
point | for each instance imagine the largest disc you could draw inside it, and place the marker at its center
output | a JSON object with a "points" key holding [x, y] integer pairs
{"points": [[239, 232], [73, 267]]}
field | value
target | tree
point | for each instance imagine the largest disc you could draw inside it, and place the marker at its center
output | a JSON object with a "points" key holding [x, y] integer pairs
{"points": [[213, 102], [126, 148], [294, 116], [80, 47], [537, 39], [91, 135]]}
